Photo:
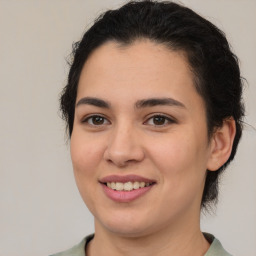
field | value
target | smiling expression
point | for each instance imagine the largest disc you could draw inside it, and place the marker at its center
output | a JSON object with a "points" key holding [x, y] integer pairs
{"points": [[139, 144]]}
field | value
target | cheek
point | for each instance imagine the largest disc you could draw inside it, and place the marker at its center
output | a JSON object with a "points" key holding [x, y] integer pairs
{"points": [[181, 164], [171, 153], [86, 153], [180, 158], [86, 156]]}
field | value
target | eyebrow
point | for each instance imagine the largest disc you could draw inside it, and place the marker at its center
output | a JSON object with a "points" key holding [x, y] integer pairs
{"points": [[94, 102], [158, 101], [139, 104]]}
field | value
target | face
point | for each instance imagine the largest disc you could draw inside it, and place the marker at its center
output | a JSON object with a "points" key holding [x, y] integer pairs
{"points": [[139, 144]]}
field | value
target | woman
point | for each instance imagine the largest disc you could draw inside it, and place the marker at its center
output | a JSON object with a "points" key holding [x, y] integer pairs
{"points": [[153, 108]]}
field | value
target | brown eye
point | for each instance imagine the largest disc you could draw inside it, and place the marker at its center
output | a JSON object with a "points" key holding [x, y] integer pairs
{"points": [[159, 120], [96, 120]]}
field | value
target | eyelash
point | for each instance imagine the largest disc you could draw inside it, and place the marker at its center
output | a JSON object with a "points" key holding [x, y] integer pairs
{"points": [[167, 120], [86, 120]]}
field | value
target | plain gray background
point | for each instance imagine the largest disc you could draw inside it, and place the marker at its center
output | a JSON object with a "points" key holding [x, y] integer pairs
{"points": [[41, 210]]}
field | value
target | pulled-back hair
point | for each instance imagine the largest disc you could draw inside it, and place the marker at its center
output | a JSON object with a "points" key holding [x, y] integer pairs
{"points": [[215, 68]]}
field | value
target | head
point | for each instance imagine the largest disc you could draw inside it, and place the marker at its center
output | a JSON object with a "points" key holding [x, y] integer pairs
{"points": [[215, 68]]}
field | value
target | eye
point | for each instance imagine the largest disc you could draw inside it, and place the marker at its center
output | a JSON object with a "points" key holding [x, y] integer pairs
{"points": [[159, 120], [96, 120]]}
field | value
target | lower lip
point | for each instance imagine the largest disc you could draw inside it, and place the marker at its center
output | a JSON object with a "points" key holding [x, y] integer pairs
{"points": [[125, 196]]}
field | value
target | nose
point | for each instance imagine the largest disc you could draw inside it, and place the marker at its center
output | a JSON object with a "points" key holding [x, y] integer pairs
{"points": [[124, 147]]}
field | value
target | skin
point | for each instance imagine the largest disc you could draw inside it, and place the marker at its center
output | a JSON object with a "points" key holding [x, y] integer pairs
{"points": [[127, 139]]}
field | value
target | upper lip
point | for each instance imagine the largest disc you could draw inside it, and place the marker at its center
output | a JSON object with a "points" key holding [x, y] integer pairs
{"points": [[125, 178]]}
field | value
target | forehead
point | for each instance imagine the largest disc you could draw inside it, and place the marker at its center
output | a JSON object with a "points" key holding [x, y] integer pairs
{"points": [[142, 68], [142, 53]]}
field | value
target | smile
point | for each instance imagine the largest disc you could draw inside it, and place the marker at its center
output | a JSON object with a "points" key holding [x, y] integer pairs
{"points": [[124, 189], [128, 186]]}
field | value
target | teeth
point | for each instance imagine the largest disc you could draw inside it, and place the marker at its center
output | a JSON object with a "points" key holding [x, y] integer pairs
{"points": [[142, 184], [119, 186], [127, 186], [113, 185], [136, 185]]}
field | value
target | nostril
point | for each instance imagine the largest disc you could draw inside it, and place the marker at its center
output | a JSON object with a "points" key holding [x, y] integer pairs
{"points": [[123, 148], [122, 159]]}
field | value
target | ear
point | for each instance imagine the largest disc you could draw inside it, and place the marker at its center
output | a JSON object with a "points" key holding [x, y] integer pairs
{"points": [[221, 144]]}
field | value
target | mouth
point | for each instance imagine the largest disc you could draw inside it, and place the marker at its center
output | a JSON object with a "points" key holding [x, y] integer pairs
{"points": [[126, 188]]}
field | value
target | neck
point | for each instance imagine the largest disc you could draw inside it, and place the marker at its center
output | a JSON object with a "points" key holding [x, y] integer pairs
{"points": [[185, 241]]}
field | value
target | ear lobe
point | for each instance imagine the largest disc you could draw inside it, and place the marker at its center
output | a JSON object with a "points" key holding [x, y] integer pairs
{"points": [[221, 144]]}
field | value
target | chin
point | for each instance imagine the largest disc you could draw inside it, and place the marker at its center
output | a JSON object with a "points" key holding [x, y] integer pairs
{"points": [[126, 226], [129, 231]]}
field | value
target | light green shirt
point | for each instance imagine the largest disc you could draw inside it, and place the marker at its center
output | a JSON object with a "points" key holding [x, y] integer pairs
{"points": [[215, 249]]}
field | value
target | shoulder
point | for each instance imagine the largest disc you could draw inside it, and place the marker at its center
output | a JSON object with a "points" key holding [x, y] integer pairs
{"points": [[216, 248], [77, 250]]}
